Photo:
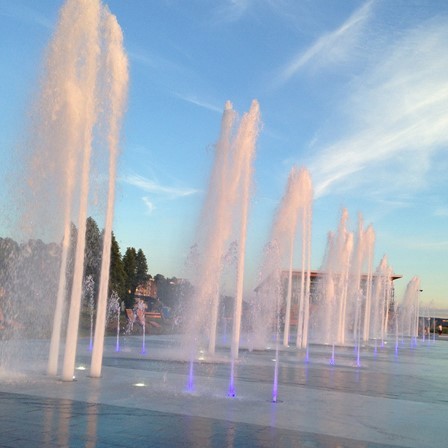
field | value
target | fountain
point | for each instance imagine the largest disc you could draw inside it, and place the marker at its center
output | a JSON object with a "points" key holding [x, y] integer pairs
{"points": [[294, 209], [113, 312], [79, 107], [89, 300], [227, 194], [83, 95], [408, 310]]}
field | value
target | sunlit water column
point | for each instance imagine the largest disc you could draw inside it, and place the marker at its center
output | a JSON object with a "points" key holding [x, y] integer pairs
{"points": [[249, 127], [62, 286], [116, 68], [306, 189], [288, 297], [91, 12], [59, 127], [369, 243], [217, 228]]}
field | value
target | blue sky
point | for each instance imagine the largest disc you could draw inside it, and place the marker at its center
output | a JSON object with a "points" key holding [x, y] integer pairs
{"points": [[355, 91]]}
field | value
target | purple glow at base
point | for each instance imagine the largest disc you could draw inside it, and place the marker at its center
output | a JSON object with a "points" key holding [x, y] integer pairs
{"points": [[332, 361], [143, 341], [190, 385], [232, 392], [117, 344], [275, 386]]}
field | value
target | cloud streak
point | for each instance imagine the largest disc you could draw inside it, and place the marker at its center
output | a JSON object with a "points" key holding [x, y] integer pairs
{"points": [[148, 204], [25, 14], [395, 118], [231, 11], [152, 186], [330, 48], [193, 99]]}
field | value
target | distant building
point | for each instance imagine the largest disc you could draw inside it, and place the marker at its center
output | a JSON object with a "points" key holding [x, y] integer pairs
{"points": [[148, 289], [148, 293]]}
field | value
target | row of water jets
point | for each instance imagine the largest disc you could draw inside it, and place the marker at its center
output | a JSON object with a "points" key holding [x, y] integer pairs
{"points": [[80, 107]]}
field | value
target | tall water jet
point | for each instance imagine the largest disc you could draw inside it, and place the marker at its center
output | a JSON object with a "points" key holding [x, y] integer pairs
{"points": [[209, 250], [306, 193], [267, 295], [294, 212], [228, 192], [63, 131], [382, 287], [246, 140], [369, 242], [51, 164], [360, 279], [409, 308], [77, 100], [89, 52], [115, 65], [336, 268]]}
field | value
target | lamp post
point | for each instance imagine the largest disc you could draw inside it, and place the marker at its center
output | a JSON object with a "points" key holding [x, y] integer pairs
{"points": [[418, 315]]}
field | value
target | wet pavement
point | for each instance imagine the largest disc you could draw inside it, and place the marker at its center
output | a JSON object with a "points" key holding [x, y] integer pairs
{"points": [[390, 399]]}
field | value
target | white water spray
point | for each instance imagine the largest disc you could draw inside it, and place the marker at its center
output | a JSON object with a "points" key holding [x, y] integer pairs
{"points": [[116, 71]]}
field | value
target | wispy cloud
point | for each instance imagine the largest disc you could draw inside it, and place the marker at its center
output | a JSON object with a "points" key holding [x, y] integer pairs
{"points": [[232, 10], [154, 187], [149, 204], [330, 48], [153, 61], [422, 244], [395, 118], [193, 99], [441, 211], [26, 14]]}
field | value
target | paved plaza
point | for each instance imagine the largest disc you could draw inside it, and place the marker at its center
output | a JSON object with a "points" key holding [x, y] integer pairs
{"points": [[392, 399]]}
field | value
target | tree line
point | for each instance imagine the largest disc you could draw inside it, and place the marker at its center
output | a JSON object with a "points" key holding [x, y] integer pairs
{"points": [[23, 267]]}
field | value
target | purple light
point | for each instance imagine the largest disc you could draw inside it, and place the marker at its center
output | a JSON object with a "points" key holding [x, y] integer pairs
{"points": [[332, 362], [232, 392], [190, 385]]}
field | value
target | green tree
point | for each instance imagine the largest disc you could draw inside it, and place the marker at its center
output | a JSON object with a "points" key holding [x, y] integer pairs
{"points": [[141, 273], [117, 277], [130, 269], [136, 270], [93, 251]]}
